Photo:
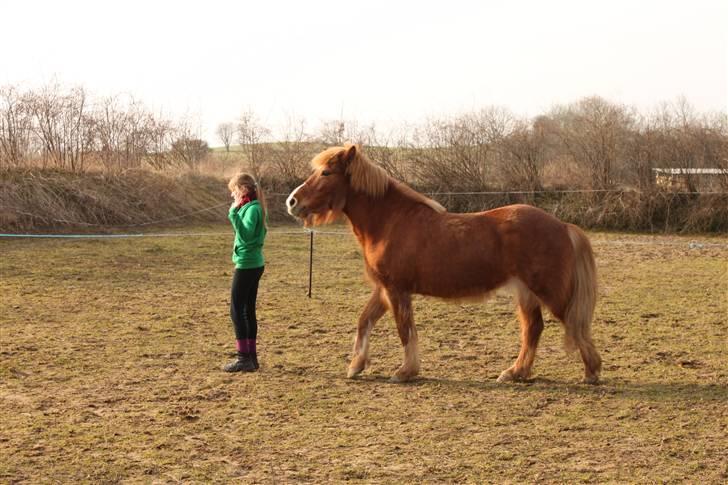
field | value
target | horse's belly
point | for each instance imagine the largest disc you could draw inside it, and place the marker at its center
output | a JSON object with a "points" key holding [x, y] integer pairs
{"points": [[459, 286], [463, 269]]}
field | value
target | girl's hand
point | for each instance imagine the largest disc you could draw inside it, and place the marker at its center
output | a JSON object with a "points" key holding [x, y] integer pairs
{"points": [[238, 199]]}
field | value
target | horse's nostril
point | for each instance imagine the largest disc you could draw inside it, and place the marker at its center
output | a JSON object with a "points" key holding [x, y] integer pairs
{"points": [[292, 202]]}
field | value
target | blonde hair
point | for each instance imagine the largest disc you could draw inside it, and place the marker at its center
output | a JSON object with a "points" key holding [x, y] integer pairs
{"points": [[248, 181]]}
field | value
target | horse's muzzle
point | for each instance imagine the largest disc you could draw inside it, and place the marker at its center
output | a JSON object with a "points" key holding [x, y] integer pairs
{"points": [[297, 210], [292, 205]]}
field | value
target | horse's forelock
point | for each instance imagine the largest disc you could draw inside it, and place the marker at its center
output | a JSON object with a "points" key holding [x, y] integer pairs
{"points": [[364, 175], [323, 158]]}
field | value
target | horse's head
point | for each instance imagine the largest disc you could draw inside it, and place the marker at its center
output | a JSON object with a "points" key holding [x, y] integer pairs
{"points": [[321, 198]]}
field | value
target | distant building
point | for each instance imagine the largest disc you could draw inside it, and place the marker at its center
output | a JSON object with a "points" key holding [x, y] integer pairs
{"points": [[689, 178]]}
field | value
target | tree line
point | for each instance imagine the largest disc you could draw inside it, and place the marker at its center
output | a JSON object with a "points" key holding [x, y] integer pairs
{"points": [[591, 143], [67, 129]]}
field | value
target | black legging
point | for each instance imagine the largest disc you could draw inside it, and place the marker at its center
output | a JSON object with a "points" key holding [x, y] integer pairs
{"points": [[242, 302]]}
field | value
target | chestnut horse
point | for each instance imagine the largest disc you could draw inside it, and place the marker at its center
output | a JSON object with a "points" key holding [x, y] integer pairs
{"points": [[412, 245]]}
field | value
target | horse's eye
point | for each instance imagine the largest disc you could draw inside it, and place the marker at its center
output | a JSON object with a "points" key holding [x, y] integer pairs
{"points": [[325, 173]]}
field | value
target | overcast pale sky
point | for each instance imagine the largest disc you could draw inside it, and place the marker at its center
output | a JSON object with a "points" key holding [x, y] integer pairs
{"points": [[381, 61]]}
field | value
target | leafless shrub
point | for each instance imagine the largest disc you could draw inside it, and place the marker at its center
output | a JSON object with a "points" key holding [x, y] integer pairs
{"points": [[62, 125], [225, 132], [389, 150], [675, 136], [340, 131], [651, 211], [161, 135], [593, 132], [523, 154], [386, 149], [189, 151], [251, 136], [124, 133], [289, 156], [456, 153], [16, 123], [591, 143]]}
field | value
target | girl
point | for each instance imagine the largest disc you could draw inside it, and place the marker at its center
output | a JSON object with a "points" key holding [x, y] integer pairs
{"points": [[248, 217]]}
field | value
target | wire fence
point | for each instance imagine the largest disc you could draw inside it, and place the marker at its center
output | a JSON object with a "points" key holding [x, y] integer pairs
{"points": [[215, 207], [692, 243], [310, 233]]}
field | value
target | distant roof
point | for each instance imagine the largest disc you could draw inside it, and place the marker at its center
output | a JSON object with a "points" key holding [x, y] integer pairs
{"points": [[691, 171]]}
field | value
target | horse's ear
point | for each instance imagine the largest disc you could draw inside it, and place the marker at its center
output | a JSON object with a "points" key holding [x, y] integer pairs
{"points": [[349, 154]]}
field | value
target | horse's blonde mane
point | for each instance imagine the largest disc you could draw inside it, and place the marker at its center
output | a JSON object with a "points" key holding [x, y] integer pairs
{"points": [[436, 206], [367, 177]]}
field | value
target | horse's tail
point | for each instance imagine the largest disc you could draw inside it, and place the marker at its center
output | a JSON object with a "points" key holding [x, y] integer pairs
{"points": [[580, 309]]}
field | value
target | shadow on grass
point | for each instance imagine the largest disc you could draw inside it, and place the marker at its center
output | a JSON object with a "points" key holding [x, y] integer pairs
{"points": [[649, 391]]}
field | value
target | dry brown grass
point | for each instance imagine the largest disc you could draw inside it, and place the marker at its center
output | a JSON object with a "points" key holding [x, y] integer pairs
{"points": [[110, 353], [37, 199], [31, 200]]}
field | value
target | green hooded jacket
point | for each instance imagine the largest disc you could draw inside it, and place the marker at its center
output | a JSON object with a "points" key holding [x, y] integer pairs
{"points": [[250, 233]]}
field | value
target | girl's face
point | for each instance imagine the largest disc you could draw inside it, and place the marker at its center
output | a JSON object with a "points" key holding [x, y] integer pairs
{"points": [[239, 192]]}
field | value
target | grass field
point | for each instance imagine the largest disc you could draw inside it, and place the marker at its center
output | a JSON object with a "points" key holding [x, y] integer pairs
{"points": [[110, 355]]}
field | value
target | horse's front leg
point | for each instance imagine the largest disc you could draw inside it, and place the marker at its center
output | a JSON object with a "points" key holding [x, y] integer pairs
{"points": [[373, 311], [401, 306]]}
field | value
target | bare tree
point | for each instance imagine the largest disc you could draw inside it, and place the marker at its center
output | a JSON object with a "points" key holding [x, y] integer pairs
{"points": [[251, 135], [162, 134], [225, 132], [387, 149], [123, 132], [16, 123], [456, 153], [62, 125], [675, 136], [593, 131], [291, 153], [341, 131], [333, 132], [523, 156]]}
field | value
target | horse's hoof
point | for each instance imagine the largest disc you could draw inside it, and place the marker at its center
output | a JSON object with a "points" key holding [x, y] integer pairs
{"points": [[509, 375], [593, 380], [506, 376], [352, 373], [401, 376], [357, 366]]}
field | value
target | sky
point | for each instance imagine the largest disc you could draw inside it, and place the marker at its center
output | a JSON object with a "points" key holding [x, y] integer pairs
{"points": [[382, 62]]}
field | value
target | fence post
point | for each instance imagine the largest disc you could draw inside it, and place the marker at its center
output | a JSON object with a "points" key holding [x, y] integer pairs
{"points": [[310, 264]]}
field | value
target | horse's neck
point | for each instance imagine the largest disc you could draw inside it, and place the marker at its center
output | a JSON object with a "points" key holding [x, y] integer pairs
{"points": [[362, 212], [371, 216]]}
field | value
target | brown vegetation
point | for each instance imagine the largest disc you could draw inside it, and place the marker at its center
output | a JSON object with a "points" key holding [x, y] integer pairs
{"points": [[590, 145], [98, 202]]}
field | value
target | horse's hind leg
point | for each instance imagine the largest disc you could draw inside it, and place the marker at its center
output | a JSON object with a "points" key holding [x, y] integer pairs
{"points": [[529, 313], [401, 306], [579, 336], [591, 358], [372, 312]]}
